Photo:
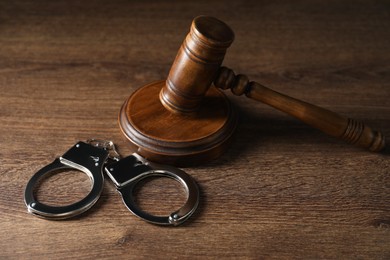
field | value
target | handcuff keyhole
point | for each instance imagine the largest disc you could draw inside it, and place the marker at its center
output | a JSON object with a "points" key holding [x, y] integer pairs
{"points": [[62, 187], [159, 196]]}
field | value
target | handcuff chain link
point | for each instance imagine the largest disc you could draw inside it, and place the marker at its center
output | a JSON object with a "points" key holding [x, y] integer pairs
{"points": [[107, 145]]}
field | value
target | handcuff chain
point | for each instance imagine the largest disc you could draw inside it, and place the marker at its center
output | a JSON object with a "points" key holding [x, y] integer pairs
{"points": [[106, 145], [125, 173]]}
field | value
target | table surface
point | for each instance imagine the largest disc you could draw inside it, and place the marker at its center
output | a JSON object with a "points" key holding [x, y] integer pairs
{"points": [[282, 190]]}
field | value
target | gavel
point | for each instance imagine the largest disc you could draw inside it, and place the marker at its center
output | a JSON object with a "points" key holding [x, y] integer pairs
{"points": [[185, 121]]}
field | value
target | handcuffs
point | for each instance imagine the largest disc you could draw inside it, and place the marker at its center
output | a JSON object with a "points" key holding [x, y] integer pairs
{"points": [[92, 158]]}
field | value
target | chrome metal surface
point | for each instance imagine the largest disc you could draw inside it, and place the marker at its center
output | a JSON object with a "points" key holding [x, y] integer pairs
{"points": [[106, 145], [129, 171], [82, 157]]}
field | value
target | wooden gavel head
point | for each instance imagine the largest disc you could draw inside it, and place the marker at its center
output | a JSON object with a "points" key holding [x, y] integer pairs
{"points": [[182, 121], [196, 64]]}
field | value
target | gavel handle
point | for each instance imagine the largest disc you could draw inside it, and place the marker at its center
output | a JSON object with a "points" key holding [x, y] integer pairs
{"points": [[327, 121]]}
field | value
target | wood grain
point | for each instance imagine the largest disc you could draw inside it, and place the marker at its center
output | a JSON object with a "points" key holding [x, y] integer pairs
{"points": [[177, 139], [329, 122], [196, 64], [282, 190], [179, 120]]}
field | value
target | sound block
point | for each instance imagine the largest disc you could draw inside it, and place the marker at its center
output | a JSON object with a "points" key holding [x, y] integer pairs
{"points": [[176, 139]]}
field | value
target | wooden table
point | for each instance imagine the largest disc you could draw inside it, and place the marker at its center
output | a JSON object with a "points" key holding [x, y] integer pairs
{"points": [[283, 190]]}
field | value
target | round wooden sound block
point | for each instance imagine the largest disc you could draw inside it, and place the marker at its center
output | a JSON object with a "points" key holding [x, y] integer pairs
{"points": [[169, 138]]}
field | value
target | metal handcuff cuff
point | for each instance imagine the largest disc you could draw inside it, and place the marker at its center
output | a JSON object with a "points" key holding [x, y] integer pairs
{"points": [[94, 156]]}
